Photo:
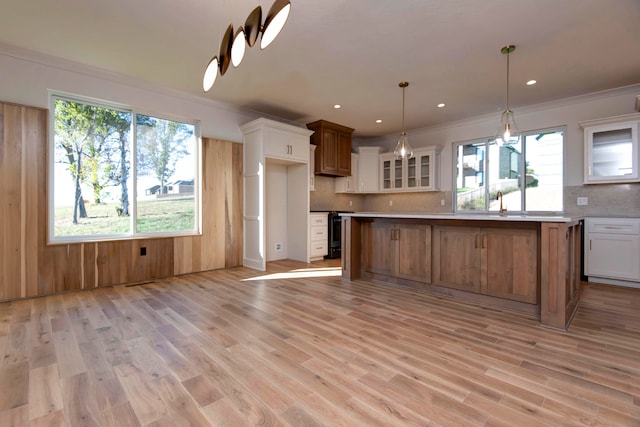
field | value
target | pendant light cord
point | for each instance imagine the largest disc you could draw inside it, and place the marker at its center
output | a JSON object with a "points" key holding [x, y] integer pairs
{"points": [[403, 108], [508, 53]]}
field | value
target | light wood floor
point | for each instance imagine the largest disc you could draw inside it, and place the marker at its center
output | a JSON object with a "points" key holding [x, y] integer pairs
{"points": [[214, 349]]}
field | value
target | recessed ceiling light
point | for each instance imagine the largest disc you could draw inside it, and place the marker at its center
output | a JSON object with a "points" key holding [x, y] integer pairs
{"points": [[531, 82], [441, 105], [379, 121], [337, 106]]}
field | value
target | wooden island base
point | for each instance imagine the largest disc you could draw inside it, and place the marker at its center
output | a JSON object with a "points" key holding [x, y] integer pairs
{"points": [[529, 265]]}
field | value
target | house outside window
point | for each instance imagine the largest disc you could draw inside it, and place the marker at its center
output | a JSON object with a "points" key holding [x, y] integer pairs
{"points": [[482, 168], [117, 173]]}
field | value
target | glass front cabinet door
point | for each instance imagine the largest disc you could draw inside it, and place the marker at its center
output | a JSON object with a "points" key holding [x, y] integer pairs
{"points": [[611, 149], [415, 174]]}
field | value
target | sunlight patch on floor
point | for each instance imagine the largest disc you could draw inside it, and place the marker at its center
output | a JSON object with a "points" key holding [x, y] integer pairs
{"points": [[301, 273]]}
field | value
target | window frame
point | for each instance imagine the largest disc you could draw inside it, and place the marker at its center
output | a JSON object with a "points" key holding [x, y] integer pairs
{"points": [[487, 141], [133, 234]]}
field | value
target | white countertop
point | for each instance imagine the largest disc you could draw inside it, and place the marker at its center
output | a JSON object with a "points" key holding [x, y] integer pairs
{"points": [[466, 217]]}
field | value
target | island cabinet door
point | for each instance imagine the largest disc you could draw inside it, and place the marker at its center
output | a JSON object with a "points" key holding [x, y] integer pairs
{"points": [[413, 252], [510, 261], [379, 257], [457, 257]]}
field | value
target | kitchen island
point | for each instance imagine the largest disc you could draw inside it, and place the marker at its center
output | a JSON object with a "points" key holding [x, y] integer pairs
{"points": [[527, 263]]}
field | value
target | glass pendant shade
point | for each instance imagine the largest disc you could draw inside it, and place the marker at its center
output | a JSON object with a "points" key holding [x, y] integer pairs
{"points": [[507, 132], [210, 74], [274, 22], [238, 47], [403, 149]]}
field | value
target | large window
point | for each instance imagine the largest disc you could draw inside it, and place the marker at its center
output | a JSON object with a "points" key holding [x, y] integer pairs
{"points": [[529, 174], [118, 173]]}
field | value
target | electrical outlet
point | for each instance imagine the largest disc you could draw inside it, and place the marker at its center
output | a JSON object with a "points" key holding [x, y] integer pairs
{"points": [[582, 201], [441, 202], [278, 247], [143, 251], [350, 203], [390, 202]]}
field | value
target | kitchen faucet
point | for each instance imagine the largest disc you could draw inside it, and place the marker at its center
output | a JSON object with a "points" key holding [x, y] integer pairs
{"points": [[499, 197]]}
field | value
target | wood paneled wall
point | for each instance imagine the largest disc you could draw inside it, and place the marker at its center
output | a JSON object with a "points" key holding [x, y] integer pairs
{"points": [[29, 267]]}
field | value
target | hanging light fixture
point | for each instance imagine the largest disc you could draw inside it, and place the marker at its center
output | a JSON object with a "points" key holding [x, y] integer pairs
{"points": [[274, 22], [232, 48], [403, 149], [507, 133], [238, 47]]}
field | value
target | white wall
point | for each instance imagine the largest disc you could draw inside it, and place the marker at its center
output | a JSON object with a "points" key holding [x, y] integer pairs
{"points": [[26, 78], [275, 210]]}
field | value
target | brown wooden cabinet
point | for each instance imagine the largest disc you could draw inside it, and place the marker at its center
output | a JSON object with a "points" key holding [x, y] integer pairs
{"points": [[456, 257], [401, 250], [333, 152], [491, 261]]}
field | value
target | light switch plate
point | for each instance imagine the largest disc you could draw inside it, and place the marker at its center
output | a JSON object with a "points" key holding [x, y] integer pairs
{"points": [[582, 201]]}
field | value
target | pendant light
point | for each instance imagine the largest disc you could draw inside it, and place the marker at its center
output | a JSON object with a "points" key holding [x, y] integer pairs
{"points": [[233, 48], [274, 22], [507, 132], [403, 149], [238, 47]]}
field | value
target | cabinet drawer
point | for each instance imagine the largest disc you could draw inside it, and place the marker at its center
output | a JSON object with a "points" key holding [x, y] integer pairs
{"points": [[319, 249], [319, 220], [319, 233], [613, 225]]}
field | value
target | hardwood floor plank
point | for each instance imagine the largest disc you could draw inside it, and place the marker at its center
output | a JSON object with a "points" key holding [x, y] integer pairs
{"points": [[45, 394], [14, 385], [238, 347]]}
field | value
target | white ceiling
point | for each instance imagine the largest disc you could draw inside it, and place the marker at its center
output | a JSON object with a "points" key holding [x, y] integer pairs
{"points": [[352, 52]]}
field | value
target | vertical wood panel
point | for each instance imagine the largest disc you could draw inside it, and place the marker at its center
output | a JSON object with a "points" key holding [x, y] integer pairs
{"points": [[35, 194], [234, 193], [220, 245], [10, 202], [29, 267]]}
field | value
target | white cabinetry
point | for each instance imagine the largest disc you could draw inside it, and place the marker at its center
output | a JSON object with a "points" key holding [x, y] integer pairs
{"points": [[312, 162], [275, 213], [348, 184], [368, 169], [364, 172], [283, 144], [419, 173], [612, 249], [611, 149], [318, 235]]}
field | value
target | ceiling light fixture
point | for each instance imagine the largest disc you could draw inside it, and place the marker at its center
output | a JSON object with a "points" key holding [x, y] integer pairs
{"points": [[274, 22], [403, 149], [232, 48], [238, 47], [531, 82], [441, 105], [507, 133]]}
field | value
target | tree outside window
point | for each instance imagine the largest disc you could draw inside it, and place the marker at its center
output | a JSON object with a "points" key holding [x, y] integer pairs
{"points": [[94, 173]]}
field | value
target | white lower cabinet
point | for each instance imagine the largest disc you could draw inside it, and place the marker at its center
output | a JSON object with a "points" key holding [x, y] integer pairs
{"points": [[612, 249], [318, 235]]}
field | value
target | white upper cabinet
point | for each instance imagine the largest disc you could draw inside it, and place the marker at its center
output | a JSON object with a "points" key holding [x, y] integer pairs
{"points": [[611, 149], [283, 144], [418, 173], [364, 172], [368, 169], [348, 184]]}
